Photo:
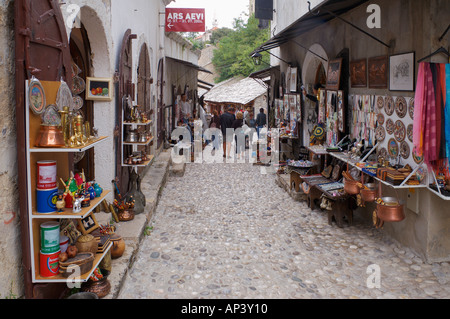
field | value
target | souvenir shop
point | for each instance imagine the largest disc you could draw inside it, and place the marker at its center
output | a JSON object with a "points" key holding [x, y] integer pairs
{"points": [[376, 129]]}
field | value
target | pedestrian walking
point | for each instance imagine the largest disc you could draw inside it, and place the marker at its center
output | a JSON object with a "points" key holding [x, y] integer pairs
{"points": [[239, 136], [261, 121], [226, 122], [215, 125]]}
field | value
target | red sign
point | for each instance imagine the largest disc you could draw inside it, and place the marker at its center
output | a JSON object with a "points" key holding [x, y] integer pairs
{"points": [[185, 20]]}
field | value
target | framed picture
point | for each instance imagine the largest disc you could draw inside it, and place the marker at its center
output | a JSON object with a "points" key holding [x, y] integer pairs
{"points": [[99, 89], [358, 73], [402, 72], [88, 224], [378, 72], [293, 81], [334, 74]]}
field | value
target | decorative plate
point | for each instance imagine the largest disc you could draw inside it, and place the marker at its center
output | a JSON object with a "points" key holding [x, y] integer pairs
{"points": [[380, 119], [390, 126], [64, 97], [78, 85], [380, 102], [380, 133], [404, 150], [421, 174], [51, 116], [77, 102], [36, 97], [411, 108], [418, 158], [383, 153], [409, 132], [389, 106], [400, 131], [393, 148], [401, 108]]}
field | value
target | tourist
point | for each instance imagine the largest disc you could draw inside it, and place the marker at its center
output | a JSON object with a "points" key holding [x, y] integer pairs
{"points": [[185, 109], [226, 122], [261, 121], [239, 134], [215, 125]]}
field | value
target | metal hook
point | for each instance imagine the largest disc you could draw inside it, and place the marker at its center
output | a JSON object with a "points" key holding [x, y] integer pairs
{"points": [[309, 8]]}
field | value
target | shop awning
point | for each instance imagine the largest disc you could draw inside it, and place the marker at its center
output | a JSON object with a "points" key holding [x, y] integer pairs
{"points": [[263, 74], [309, 21], [190, 65]]}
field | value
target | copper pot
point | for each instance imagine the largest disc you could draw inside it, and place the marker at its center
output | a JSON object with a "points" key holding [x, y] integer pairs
{"points": [[126, 215], [351, 187], [50, 136], [369, 194], [101, 288], [391, 210]]}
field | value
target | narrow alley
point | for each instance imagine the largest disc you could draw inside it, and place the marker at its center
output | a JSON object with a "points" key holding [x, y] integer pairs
{"points": [[226, 231]]}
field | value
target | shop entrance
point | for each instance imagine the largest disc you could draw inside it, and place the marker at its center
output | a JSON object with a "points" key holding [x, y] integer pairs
{"points": [[80, 52]]}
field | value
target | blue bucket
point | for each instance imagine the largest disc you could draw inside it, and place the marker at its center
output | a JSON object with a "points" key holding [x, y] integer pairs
{"points": [[46, 200]]}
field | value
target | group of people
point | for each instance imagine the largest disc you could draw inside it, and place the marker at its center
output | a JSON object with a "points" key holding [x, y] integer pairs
{"points": [[236, 121]]}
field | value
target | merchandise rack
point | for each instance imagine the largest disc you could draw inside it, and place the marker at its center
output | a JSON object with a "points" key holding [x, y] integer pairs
{"points": [[135, 125], [61, 156]]}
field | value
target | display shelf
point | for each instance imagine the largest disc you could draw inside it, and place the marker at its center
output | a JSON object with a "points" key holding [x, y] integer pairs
{"points": [[138, 123], [67, 214], [88, 146], [438, 194], [139, 143], [345, 158], [83, 278], [144, 164], [318, 150]]}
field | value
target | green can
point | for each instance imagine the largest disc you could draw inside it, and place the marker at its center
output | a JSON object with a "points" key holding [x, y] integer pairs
{"points": [[50, 237]]}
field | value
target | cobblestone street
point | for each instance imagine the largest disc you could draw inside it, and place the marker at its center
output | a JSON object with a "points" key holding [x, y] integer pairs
{"points": [[226, 231]]}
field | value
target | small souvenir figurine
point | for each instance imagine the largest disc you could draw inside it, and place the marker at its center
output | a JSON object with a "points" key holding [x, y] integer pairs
{"points": [[60, 203], [77, 204], [98, 190]]}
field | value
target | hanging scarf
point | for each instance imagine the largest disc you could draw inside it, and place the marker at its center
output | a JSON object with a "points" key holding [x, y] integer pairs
{"points": [[418, 109], [447, 111], [429, 117]]}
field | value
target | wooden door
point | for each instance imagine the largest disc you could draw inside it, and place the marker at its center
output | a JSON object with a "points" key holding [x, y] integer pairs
{"points": [[41, 50], [126, 88]]}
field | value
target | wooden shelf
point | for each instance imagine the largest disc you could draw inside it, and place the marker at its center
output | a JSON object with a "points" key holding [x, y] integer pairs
{"points": [[138, 143], [83, 278], [69, 149], [67, 214], [144, 164]]}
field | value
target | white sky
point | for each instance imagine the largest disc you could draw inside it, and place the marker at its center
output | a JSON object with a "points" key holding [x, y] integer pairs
{"points": [[225, 11]]}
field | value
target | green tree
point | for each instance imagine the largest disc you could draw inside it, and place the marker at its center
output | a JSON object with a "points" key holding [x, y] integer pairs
{"points": [[218, 34], [232, 57]]}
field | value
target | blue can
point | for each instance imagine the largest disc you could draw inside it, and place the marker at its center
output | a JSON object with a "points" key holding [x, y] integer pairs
{"points": [[46, 200]]}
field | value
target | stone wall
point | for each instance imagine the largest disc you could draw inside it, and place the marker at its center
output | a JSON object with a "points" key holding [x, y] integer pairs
{"points": [[11, 282]]}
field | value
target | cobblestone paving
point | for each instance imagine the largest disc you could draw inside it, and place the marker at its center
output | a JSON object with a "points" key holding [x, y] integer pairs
{"points": [[225, 231]]}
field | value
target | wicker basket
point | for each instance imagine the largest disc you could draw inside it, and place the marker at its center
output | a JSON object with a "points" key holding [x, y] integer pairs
{"points": [[87, 244], [84, 261]]}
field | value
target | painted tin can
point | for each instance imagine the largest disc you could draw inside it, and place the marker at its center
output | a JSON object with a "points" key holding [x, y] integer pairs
{"points": [[49, 264], [46, 200], [63, 243], [46, 175], [50, 235]]}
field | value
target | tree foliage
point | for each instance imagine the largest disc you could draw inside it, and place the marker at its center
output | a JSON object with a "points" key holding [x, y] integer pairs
{"points": [[232, 57]]}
